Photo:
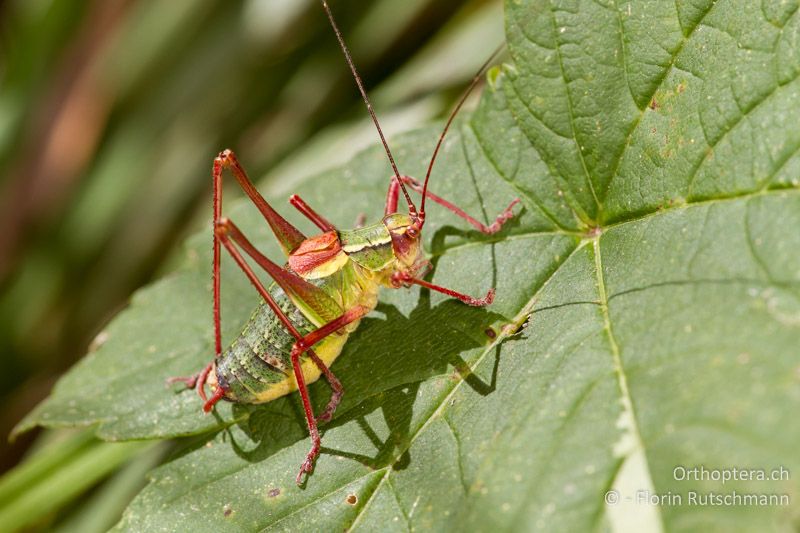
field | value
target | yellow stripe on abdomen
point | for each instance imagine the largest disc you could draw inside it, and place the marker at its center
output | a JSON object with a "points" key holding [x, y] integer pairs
{"points": [[328, 350]]}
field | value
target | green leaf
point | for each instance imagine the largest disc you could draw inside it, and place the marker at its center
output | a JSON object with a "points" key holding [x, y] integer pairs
{"points": [[57, 476], [655, 262]]}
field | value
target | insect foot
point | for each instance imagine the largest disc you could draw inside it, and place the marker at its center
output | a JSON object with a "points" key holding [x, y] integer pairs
{"points": [[196, 381], [482, 302], [308, 465], [502, 218], [404, 279], [188, 381]]}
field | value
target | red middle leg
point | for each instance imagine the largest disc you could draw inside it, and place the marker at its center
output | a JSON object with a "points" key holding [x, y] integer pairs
{"points": [[228, 233], [400, 279]]}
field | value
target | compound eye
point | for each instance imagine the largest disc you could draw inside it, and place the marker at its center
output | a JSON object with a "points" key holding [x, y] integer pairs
{"points": [[412, 232]]}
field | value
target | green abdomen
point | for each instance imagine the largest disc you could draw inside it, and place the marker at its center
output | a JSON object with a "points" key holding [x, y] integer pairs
{"points": [[257, 366]]}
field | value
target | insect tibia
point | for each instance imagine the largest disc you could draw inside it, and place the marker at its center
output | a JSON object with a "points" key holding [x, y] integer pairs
{"points": [[219, 393]]}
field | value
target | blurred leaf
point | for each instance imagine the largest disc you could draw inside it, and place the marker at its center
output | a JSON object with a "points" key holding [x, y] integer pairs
{"points": [[657, 161], [51, 454], [472, 35], [34, 33], [52, 480], [106, 505]]}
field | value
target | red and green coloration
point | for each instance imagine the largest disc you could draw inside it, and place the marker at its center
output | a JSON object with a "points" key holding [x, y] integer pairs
{"points": [[329, 283]]}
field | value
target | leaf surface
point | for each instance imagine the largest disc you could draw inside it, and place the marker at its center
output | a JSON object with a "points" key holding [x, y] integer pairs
{"points": [[656, 264]]}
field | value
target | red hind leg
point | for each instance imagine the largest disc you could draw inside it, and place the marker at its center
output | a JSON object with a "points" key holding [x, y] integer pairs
{"points": [[302, 345], [288, 236], [231, 237]]}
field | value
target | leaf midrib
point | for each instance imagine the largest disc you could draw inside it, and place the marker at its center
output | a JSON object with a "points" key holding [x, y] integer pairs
{"points": [[613, 345], [519, 318], [622, 382]]}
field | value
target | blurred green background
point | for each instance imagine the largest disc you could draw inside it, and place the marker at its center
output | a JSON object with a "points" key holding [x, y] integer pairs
{"points": [[111, 112]]}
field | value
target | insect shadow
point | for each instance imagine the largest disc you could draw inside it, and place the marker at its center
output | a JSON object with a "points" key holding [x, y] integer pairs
{"points": [[457, 329], [386, 378], [382, 367]]}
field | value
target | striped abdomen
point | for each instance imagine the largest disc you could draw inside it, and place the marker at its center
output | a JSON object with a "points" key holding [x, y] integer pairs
{"points": [[257, 367]]}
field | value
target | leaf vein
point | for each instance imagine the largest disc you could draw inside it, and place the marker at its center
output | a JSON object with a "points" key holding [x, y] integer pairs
{"points": [[524, 194], [526, 309], [656, 86], [570, 108], [622, 379], [766, 97]]}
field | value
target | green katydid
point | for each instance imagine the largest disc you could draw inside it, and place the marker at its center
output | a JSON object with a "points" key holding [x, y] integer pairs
{"points": [[330, 282]]}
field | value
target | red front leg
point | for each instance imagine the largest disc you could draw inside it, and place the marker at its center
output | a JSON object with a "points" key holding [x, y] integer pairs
{"points": [[494, 227], [318, 220], [392, 196]]}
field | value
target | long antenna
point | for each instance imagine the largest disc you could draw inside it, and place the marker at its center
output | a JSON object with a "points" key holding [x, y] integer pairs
{"points": [[412, 210], [450, 119]]}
